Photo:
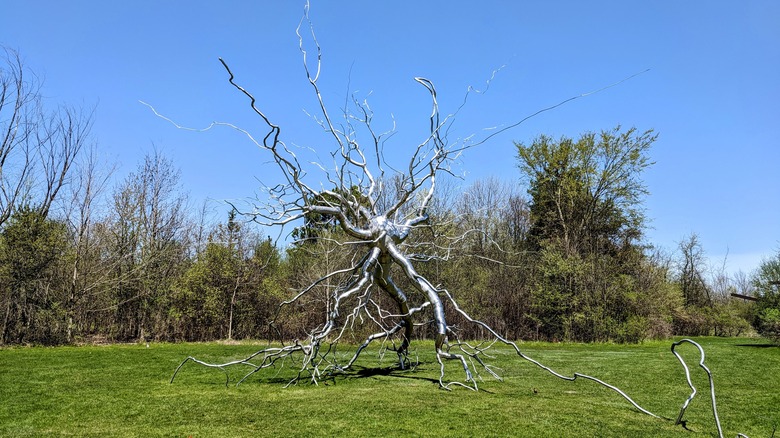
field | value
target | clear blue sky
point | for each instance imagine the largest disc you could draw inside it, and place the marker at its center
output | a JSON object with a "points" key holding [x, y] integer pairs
{"points": [[712, 94]]}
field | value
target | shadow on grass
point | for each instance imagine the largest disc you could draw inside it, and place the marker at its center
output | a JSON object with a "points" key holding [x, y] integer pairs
{"points": [[394, 372], [371, 372], [758, 345], [356, 373], [360, 372]]}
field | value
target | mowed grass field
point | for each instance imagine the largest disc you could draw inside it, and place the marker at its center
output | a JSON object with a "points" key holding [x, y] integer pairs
{"points": [[124, 390]]}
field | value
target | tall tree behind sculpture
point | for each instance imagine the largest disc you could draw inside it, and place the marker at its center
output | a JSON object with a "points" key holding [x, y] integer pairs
{"points": [[586, 225]]}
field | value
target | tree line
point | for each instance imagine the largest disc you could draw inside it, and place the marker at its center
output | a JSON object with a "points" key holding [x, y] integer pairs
{"points": [[558, 254]]}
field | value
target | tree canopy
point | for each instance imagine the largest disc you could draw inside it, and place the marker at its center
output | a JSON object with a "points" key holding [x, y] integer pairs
{"points": [[586, 195]]}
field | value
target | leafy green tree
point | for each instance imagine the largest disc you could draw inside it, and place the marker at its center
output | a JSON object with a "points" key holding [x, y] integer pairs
{"points": [[229, 289], [201, 298], [586, 224], [263, 291], [767, 283], [30, 248]]}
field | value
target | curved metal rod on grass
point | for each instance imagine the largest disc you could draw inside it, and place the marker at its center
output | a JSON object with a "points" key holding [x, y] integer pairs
{"points": [[269, 355], [693, 388], [539, 364]]}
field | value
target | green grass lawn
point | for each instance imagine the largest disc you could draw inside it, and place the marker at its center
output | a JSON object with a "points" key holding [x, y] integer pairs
{"points": [[123, 390]]}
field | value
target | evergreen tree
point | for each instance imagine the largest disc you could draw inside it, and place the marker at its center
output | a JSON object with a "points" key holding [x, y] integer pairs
{"points": [[30, 248]]}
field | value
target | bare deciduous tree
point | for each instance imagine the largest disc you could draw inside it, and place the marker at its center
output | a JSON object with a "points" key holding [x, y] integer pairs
{"points": [[149, 233], [87, 271], [37, 148], [691, 269], [19, 111]]}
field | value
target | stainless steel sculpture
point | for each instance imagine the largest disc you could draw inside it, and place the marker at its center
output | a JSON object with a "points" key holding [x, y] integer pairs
{"points": [[378, 207], [379, 218]]}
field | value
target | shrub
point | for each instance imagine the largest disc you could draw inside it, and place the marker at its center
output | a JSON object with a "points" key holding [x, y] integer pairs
{"points": [[769, 323]]}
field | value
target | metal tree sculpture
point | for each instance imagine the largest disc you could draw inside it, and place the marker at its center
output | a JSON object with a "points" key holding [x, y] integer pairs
{"points": [[378, 208]]}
